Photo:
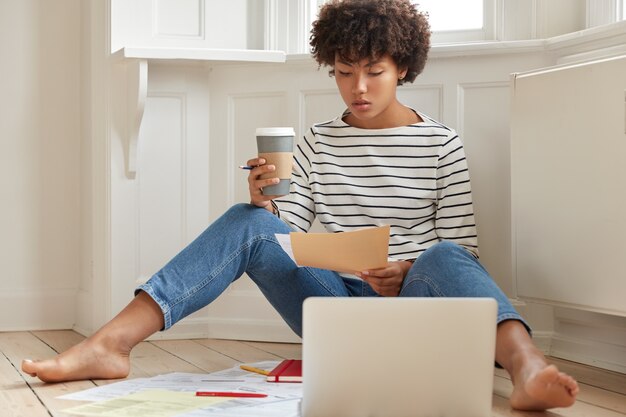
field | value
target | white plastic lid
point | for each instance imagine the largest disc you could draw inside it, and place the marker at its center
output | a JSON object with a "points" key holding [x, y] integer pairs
{"points": [[275, 131]]}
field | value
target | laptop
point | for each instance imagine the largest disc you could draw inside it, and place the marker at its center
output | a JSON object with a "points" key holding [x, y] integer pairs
{"points": [[398, 357]]}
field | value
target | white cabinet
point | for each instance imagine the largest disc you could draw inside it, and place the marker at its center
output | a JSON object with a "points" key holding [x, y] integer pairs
{"points": [[568, 144]]}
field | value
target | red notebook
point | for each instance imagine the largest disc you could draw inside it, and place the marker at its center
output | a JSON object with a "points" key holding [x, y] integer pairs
{"points": [[289, 370]]}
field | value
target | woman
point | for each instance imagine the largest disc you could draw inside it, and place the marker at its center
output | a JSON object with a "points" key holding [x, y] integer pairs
{"points": [[380, 162]]}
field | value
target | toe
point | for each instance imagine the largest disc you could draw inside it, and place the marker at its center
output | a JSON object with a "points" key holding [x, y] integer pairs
{"points": [[28, 366]]}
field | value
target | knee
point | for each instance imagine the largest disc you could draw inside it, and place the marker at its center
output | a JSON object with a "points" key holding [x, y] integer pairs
{"points": [[445, 256], [248, 218], [239, 209], [450, 259], [242, 211], [443, 251]]}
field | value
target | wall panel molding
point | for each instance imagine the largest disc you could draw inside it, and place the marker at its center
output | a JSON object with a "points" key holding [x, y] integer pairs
{"points": [[602, 12], [272, 26], [188, 23], [428, 98], [484, 131], [462, 88], [307, 110], [159, 200], [246, 112]]}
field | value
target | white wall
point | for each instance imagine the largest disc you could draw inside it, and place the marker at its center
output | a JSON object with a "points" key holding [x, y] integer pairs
{"points": [[40, 162]]}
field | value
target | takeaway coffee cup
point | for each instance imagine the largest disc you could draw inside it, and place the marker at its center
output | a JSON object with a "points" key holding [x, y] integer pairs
{"points": [[275, 145]]}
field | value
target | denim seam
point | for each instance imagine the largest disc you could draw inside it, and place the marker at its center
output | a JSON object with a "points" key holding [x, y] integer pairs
{"points": [[514, 316], [165, 308]]}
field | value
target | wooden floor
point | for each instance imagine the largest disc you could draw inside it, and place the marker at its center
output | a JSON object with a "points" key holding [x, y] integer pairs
{"points": [[602, 394]]}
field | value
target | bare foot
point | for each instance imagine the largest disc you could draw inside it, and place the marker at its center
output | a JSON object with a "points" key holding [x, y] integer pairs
{"points": [[543, 387], [89, 359], [105, 354]]}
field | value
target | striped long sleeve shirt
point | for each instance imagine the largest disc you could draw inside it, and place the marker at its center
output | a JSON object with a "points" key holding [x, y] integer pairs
{"points": [[413, 178]]}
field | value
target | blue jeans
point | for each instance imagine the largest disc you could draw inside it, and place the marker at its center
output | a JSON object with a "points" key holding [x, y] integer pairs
{"points": [[242, 240]]}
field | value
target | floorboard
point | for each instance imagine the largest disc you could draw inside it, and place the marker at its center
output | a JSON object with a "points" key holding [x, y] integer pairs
{"points": [[205, 359], [239, 351], [603, 393], [16, 396]]}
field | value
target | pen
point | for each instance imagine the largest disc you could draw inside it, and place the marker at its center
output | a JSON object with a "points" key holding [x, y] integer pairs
{"points": [[246, 167], [255, 370], [230, 394]]}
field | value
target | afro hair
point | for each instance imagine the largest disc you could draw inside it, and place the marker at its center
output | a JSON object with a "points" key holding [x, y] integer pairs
{"points": [[368, 29]]}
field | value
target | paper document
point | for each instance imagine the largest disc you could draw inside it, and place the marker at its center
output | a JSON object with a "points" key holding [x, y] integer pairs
{"points": [[173, 394], [146, 403], [342, 252]]}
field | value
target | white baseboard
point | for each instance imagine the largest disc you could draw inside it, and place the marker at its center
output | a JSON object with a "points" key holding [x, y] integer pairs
{"points": [[590, 352], [235, 329], [543, 341], [591, 338], [259, 330], [45, 309]]}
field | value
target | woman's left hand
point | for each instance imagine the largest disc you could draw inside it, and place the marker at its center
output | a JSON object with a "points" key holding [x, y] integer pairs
{"points": [[387, 281]]}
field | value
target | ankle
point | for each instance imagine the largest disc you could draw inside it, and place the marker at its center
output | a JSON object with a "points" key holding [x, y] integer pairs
{"points": [[525, 361], [109, 342]]}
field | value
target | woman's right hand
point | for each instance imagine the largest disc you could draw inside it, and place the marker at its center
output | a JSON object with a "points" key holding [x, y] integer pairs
{"points": [[255, 184]]}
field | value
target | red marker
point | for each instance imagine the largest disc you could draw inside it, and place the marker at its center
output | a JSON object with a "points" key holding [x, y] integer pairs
{"points": [[230, 394]]}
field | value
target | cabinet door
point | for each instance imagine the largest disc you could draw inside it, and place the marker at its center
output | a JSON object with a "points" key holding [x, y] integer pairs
{"points": [[568, 185]]}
